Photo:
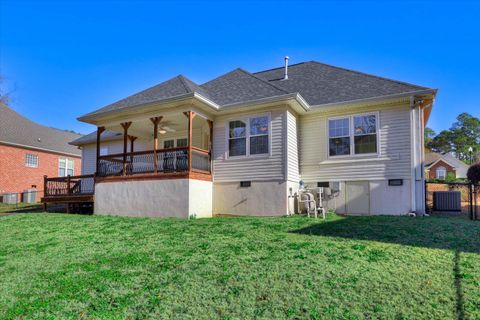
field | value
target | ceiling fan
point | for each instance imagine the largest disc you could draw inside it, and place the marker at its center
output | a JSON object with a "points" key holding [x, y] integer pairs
{"points": [[164, 127]]}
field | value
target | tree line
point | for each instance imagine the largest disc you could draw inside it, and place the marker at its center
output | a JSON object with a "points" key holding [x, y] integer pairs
{"points": [[463, 135]]}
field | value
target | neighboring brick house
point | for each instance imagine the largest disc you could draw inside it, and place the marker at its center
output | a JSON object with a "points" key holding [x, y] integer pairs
{"points": [[28, 151], [439, 166]]}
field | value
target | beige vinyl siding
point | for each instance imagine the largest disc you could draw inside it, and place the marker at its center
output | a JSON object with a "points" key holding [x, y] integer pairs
{"points": [[89, 152], [88, 159], [262, 168], [393, 160], [292, 148]]}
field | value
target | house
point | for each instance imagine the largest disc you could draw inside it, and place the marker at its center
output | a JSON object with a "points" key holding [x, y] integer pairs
{"points": [[240, 144], [439, 166], [28, 151]]}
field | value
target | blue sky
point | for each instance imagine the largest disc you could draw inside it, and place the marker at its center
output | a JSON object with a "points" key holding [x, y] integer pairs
{"points": [[62, 59]]}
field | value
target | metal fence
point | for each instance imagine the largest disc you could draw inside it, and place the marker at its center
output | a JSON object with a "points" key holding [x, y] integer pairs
{"points": [[18, 200], [460, 198]]}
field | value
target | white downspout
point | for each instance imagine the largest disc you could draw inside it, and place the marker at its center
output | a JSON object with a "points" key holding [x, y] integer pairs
{"points": [[413, 154]]}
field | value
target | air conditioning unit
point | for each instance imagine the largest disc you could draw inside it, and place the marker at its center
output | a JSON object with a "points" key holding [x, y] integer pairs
{"points": [[447, 201], [10, 198], [29, 196]]}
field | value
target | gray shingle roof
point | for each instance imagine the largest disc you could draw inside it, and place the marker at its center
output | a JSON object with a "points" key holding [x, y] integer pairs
{"points": [[320, 83], [316, 82], [16, 129], [174, 87], [240, 86], [107, 135]]}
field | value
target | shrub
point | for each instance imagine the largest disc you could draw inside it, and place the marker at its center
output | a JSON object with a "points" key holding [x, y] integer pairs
{"points": [[473, 173], [451, 177]]}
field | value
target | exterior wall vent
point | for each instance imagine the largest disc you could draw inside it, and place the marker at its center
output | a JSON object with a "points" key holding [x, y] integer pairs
{"points": [[245, 184], [395, 182]]}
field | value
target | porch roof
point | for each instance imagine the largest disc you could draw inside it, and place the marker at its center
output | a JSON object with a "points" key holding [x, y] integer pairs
{"points": [[92, 138]]}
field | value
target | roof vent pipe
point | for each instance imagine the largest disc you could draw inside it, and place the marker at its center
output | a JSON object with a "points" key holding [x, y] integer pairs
{"points": [[286, 68]]}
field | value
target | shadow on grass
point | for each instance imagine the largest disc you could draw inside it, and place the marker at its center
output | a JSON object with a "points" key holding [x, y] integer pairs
{"points": [[430, 232], [456, 234], [458, 286]]}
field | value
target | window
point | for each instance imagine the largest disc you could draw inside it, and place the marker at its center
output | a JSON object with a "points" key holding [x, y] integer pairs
{"points": [[70, 167], [65, 167], [441, 173], [353, 135], [103, 151], [259, 135], [31, 160], [183, 142], [237, 142], [167, 144], [339, 136], [249, 136], [365, 130]]}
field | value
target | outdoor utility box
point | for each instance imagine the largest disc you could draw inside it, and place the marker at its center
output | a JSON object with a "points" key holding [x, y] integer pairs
{"points": [[447, 201], [29, 196], [10, 198]]}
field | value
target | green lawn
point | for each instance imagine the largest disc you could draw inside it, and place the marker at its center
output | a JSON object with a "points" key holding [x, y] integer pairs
{"points": [[59, 266]]}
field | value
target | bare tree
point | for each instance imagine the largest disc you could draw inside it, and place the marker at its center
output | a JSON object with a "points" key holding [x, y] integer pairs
{"points": [[4, 96]]}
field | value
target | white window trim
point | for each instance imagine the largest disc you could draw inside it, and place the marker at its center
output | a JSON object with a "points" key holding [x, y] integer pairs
{"points": [[444, 171], [26, 162], [246, 119], [66, 160], [352, 135], [175, 141]]}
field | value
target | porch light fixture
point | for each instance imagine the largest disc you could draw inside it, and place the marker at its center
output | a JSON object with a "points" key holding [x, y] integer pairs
{"points": [[162, 131]]}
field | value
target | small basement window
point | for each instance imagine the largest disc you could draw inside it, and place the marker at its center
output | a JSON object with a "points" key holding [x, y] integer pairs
{"points": [[395, 182], [245, 184], [31, 160]]}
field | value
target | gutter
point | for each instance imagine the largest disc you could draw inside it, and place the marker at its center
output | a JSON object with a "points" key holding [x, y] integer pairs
{"points": [[413, 157], [81, 144], [296, 96], [384, 97], [40, 149], [91, 116]]}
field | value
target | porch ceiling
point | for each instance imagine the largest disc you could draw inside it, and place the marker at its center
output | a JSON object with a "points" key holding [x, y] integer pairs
{"points": [[143, 128]]}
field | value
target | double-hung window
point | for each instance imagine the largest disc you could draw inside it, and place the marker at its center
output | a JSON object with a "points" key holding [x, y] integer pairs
{"points": [[65, 167], [441, 173], [249, 136], [353, 135], [31, 160], [181, 142], [339, 136]]}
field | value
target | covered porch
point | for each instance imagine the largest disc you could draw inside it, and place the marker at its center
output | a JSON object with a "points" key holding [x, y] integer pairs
{"points": [[164, 146]]}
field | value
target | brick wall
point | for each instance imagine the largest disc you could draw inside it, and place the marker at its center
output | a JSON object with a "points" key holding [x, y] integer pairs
{"points": [[432, 173], [15, 176]]}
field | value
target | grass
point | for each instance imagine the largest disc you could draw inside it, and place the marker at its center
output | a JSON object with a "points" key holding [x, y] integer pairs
{"points": [[56, 266]]}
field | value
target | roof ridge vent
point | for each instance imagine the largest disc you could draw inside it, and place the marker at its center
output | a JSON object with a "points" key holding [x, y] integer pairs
{"points": [[285, 77]]}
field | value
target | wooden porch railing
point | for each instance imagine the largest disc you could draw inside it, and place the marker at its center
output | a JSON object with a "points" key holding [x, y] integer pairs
{"points": [[69, 186], [173, 160]]}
